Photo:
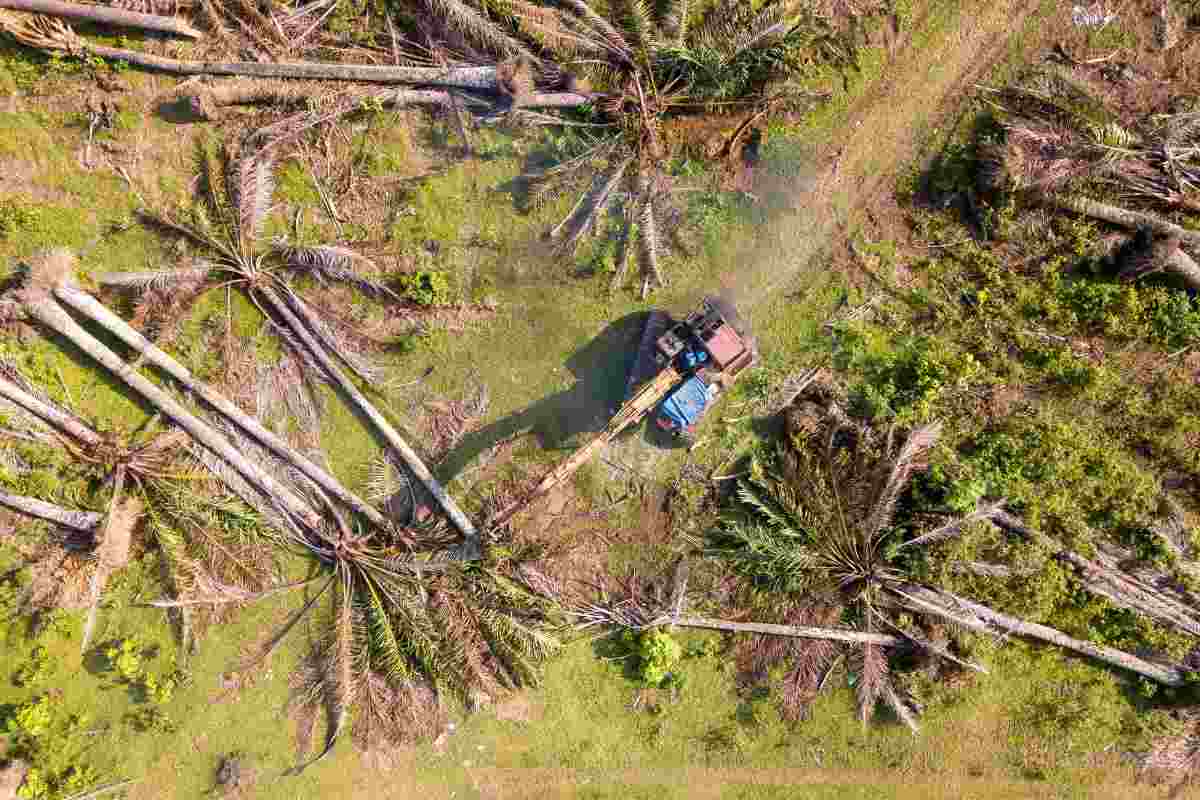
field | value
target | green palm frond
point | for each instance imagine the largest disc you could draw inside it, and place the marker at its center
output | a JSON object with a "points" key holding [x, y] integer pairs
{"points": [[391, 654]]}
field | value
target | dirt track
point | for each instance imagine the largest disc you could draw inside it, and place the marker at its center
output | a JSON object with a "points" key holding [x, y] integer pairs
{"points": [[854, 175], [919, 88]]}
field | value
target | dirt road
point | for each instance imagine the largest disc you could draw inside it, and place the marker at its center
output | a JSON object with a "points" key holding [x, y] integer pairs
{"points": [[932, 66]]}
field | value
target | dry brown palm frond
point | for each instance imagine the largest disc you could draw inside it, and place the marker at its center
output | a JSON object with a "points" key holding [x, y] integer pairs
{"points": [[250, 188], [985, 511], [872, 680], [393, 715], [903, 465], [603, 31], [338, 264]]}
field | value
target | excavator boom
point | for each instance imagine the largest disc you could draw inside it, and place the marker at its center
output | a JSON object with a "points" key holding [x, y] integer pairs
{"points": [[638, 406], [707, 340]]}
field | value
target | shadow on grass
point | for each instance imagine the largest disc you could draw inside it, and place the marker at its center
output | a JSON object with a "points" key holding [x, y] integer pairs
{"points": [[599, 369]]}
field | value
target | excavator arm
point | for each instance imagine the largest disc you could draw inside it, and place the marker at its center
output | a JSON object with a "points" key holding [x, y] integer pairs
{"points": [[638, 406]]}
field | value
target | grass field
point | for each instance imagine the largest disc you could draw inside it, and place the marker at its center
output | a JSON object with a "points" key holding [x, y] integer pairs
{"points": [[551, 354]]}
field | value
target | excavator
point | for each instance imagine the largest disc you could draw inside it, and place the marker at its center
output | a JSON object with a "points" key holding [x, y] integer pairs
{"points": [[679, 368]]}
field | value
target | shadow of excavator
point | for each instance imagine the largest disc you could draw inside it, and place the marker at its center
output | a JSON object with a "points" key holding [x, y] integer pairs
{"points": [[563, 420]]}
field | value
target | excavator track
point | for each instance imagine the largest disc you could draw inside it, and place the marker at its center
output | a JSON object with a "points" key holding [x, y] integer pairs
{"points": [[638, 406]]}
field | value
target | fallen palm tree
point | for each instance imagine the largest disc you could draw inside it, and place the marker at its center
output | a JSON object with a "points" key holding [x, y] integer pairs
{"points": [[82, 521], [35, 298], [227, 220], [104, 15], [1061, 144], [88, 306], [978, 617], [54, 37]]}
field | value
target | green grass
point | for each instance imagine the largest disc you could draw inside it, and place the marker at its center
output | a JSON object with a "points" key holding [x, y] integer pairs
{"points": [[551, 363]]}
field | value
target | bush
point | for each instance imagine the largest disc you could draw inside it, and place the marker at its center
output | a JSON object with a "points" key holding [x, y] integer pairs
{"points": [[905, 380], [658, 656], [426, 287]]}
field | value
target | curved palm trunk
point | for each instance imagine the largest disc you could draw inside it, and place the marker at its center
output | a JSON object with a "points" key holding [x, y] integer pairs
{"points": [[85, 521], [981, 618], [47, 312], [795, 631], [52, 416], [381, 425], [1177, 261], [96, 311], [104, 15]]}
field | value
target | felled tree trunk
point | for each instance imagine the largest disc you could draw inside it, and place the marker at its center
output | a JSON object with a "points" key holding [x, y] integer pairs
{"points": [[96, 311], [794, 631], [104, 15], [1177, 261], [85, 521], [981, 618], [55, 418], [1103, 578], [206, 101], [302, 329]]}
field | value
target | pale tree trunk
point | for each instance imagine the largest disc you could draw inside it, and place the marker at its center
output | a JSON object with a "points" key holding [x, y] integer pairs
{"points": [[85, 521], [477, 78], [47, 312], [92, 309], [794, 631], [207, 100], [59, 420], [1104, 578], [1177, 261], [981, 618], [104, 15], [389, 434]]}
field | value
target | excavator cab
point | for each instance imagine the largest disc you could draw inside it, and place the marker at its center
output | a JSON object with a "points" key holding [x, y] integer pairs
{"points": [[708, 351]]}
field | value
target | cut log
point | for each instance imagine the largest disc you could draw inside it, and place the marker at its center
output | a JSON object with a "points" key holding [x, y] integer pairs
{"points": [[88, 306], [1177, 261], [85, 521], [396, 443], [61, 421], [981, 618], [794, 631], [104, 15]]}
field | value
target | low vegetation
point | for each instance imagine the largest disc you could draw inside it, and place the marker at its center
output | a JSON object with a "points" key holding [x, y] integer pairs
{"points": [[959, 497]]}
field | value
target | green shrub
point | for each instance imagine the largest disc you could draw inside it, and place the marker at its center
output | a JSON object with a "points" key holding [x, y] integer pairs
{"points": [[658, 656], [17, 216], [35, 669], [426, 287], [905, 379]]}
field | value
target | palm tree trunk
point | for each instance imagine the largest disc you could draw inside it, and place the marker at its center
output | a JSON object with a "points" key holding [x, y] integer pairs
{"points": [[1105, 579], [91, 308], [105, 16], [795, 631], [1177, 262], [46, 311], [477, 78], [55, 418], [85, 521], [377, 420], [981, 618]]}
